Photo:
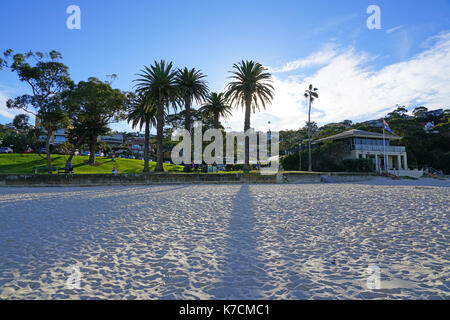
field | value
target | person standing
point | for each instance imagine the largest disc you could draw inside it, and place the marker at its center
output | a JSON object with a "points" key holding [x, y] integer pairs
{"points": [[69, 167]]}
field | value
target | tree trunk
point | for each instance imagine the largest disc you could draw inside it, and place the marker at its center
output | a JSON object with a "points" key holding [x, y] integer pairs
{"points": [[216, 120], [248, 103], [92, 145], [47, 149], [146, 143], [159, 138], [77, 145], [187, 126], [187, 118], [309, 137]]}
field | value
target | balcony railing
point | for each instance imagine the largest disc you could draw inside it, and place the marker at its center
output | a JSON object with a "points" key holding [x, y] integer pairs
{"points": [[366, 147]]}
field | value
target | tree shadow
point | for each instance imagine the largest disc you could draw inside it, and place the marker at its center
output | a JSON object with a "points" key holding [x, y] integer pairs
{"points": [[243, 274], [22, 168]]}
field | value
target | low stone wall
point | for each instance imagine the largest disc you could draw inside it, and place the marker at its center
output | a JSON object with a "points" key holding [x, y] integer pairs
{"points": [[332, 177], [42, 180], [407, 173], [130, 179]]}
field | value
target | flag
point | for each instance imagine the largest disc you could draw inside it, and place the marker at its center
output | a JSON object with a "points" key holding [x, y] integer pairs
{"points": [[386, 127]]}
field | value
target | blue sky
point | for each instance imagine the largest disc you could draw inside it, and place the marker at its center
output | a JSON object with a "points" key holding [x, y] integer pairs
{"points": [[360, 73]]}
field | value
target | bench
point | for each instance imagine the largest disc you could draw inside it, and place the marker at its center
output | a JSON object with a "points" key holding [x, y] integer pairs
{"points": [[45, 169], [65, 171]]}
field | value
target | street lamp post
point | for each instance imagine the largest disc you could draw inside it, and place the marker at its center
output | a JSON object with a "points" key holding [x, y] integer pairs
{"points": [[300, 155]]}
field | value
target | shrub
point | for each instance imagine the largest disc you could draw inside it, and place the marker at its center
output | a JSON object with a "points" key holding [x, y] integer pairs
{"points": [[238, 167], [289, 162], [326, 157], [358, 165]]}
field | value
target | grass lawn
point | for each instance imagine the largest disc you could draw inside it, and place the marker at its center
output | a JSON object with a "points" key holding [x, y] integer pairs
{"points": [[25, 163]]}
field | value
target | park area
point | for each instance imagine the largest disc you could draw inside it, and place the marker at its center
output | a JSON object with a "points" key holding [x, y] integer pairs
{"points": [[291, 241], [27, 163]]}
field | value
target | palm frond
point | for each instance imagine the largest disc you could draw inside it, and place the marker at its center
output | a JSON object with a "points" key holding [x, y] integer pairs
{"points": [[250, 83]]}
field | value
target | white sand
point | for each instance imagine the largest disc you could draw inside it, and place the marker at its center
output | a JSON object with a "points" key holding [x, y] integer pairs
{"points": [[226, 241]]}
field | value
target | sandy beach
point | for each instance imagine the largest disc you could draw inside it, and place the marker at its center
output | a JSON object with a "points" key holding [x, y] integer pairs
{"points": [[293, 241]]}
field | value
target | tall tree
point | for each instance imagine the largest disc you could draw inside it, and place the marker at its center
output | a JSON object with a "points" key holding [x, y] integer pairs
{"points": [[420, 112], [191, 88], [251, 86], [52, 117], [157, 84], [216, 106], [48, 79], [398, 113], [311, 94], [93, 105], [143, 115]]}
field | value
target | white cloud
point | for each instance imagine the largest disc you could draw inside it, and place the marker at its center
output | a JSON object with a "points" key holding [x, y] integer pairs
{"points": [[5, 112], [350, 89], [318, 58], [9, 114], [123, 126], [391, 30]]}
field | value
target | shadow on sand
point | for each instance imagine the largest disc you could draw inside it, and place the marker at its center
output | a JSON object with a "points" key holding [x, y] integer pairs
{"points": [[243, 275]]}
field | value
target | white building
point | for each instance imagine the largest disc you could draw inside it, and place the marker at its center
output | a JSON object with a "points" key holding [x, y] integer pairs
{"points": [[112, 140], [369, 145], [58, 137]]}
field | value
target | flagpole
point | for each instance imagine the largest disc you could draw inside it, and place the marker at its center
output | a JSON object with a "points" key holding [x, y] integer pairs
{"points": [[384, 149]]}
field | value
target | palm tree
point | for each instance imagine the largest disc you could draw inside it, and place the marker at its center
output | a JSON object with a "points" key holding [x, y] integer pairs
{"points": [[157, 84], [310, 93], [191, 87], [141, 114], [216, 106], [252, 84]]}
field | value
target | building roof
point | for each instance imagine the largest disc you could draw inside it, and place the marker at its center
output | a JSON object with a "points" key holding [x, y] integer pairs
{"points": [[359, 134]]}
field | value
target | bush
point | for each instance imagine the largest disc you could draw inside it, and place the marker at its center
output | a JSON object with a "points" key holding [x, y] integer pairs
{"points": [[238, 167], [358, 165], [289, 162], [326, 157], [441, 161]]}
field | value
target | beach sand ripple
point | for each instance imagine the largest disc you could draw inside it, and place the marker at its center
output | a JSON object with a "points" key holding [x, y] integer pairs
{"points": [[307, 241]]}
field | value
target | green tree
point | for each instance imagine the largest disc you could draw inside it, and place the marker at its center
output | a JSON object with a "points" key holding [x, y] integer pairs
{"points": [[290, 140], [93, 105], [18, 141], [399, 112], [47, 78], [420, 112], [178, 120], [250, 87], [328, 157], [311, 94], [216, 106], [21, 121], [142, 115], [52, 117], [191, 88], [157, 84]]}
